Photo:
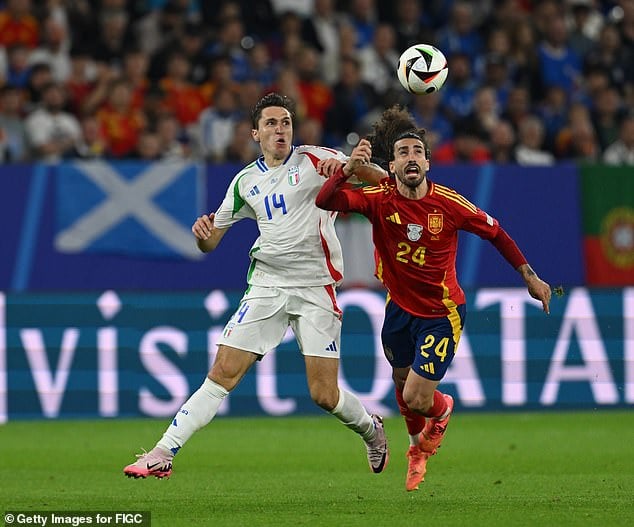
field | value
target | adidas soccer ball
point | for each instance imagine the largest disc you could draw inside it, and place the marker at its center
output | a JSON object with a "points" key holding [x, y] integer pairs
{"points": [[422, 69]]}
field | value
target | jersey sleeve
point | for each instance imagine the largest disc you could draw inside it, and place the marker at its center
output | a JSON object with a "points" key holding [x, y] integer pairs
{"points": [[336, 195], [468, 216], [233, 207]]}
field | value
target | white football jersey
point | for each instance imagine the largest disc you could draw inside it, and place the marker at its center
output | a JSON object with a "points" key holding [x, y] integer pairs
{"points": [[297, 245]]}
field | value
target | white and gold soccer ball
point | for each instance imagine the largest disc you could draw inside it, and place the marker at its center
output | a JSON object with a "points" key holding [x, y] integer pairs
{"points": [[422, 69]]}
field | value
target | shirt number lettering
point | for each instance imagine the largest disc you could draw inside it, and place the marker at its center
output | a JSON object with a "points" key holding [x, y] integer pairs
{"points": [[418, 256], [277, 201], [440, 350]]}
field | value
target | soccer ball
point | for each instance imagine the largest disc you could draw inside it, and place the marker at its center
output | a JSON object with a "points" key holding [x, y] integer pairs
{"points": [[422, 69]]}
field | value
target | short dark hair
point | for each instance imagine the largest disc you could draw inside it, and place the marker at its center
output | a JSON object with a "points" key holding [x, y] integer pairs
{"points": [[272, 99]]}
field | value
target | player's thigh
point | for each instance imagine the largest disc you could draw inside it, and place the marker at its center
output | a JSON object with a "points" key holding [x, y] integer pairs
{"points": [[436, 340], [397, 340], [259, 323], [418, 391], [321, 377], [316, 321]]}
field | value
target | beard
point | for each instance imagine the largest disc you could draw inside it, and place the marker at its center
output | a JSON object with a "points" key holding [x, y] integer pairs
{"points": [[410, 181]]}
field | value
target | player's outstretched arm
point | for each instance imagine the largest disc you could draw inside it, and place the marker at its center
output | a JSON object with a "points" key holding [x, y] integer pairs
{"points": [[537, 288], [207, 235]]}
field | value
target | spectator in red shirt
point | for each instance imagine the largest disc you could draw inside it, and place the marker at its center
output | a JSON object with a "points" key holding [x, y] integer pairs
{"points": [[120, 122], [18, 25]]}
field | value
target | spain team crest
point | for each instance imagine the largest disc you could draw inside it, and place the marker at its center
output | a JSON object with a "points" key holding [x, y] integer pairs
{"points": [[434, 223], [414, 231], [293, 175]]}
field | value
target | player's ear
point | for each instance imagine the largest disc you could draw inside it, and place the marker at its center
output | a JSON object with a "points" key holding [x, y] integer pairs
{"points": [[255, 135]]}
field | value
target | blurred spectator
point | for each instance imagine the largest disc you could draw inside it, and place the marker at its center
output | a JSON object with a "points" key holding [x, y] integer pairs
{"points": [[461, 34], [54, 49], [229, 42], [242, 148], [316, 94], [220, 75], [51, 132], [192, 43], [611, 56], [287, 83], [427, 114], [559, 65], [354, 99], [379, 61], [160, 26], [621, 152], [410, 25], [485, 115], [284, 42], [364, 17], [529, 145], [465, 147], [174, 144], [80, 82], [502, 143], [606, 116], [215, 125], [580, 42], [310, 132], [92, 143], [321, 30], [148, 147], [40, 76], [180, 97], [258, 17], [250, 92], [114, 38], [120, 122], [459, 90], [553, 112], [577, 140], [260, 68], [18, 25], [518, 106], [524, 55], [18, 65], [135, 70], [497, 75], [13, 146]]}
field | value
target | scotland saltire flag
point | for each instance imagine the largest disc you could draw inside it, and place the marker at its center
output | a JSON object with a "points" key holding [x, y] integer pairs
{"points": [[130, 208]]}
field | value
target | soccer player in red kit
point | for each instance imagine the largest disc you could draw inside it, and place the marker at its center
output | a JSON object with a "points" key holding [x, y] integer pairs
{"points": [[415, 226]]}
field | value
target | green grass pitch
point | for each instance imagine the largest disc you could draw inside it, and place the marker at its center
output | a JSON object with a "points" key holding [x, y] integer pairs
{"points": [[507, 469]]}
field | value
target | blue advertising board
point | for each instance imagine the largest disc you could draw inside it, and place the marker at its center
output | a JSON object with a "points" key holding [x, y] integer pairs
{"points": [[115, 354], [80, 227]]}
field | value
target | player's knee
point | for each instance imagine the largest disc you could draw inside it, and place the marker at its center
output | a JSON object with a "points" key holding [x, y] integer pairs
{"points": [[325, 397], [417, 402]]}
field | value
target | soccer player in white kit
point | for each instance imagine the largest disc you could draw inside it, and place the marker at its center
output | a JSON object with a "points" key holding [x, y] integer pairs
{"points": [[296, 263]]}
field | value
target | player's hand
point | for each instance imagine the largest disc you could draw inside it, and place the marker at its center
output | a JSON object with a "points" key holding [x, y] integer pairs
{"points": [[328, 167], [539, 290], [203, 226], [360, 155]]}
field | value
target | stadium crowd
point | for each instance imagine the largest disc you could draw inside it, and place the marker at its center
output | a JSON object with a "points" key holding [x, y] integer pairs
{"points": [[530, 81]]}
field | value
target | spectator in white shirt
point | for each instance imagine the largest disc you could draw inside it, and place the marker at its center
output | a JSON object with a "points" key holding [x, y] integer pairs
{"points": [[621, 152], [530, 139], [52, 132]]}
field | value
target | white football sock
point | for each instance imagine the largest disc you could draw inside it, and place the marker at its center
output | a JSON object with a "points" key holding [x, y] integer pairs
{"points": [[351, 413], [414, 439], [197, 411]]}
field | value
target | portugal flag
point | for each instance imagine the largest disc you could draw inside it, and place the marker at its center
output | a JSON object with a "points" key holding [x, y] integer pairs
{"points": [[608, 224]]}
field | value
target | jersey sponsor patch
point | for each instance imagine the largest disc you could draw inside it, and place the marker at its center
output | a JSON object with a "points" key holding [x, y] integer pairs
{"points": [[414, 231], [435, 223]]}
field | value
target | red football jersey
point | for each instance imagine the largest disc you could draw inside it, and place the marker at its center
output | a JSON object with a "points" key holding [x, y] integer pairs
{"points": [[416, 242]]}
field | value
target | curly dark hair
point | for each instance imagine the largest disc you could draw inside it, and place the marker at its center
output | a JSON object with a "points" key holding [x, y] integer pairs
{"points": [[395, 123], [272, 99]]}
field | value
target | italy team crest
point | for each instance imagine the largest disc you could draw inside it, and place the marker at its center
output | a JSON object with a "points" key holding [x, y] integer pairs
{"points": [[293, 175], [434, 223], [414, 231]]}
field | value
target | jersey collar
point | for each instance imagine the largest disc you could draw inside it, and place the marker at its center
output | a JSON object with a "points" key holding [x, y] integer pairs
{"points": [[259, 162]]}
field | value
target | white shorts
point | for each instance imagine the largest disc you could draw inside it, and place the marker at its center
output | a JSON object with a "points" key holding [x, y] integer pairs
{"points": [[264, 314]]}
